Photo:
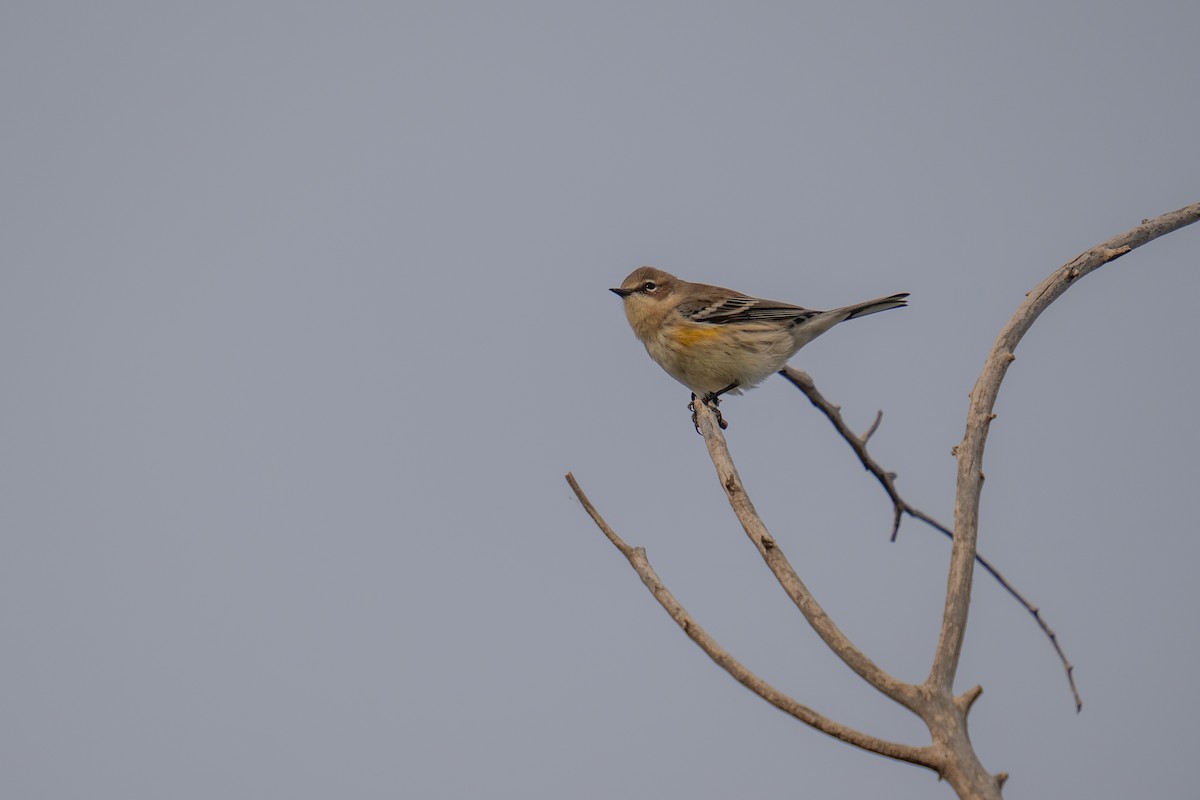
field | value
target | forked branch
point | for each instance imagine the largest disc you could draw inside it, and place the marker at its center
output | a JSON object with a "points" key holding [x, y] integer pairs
{"points": [[783, 571], [804, 382], [921, 756]]}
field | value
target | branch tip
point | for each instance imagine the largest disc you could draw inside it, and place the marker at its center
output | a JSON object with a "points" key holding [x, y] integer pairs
{"points": [[967, 699], [866, 437]]}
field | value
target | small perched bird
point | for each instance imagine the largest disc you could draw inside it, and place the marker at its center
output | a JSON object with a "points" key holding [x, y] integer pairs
{"points": [[717, 341]]}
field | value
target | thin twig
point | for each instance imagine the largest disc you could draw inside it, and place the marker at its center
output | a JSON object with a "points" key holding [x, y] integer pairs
{"points": [[804, 382], [921, 756], [866, 437], [1068, 667]]}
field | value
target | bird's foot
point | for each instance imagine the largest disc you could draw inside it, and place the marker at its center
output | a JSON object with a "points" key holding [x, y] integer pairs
{"points": [[713, 401]]}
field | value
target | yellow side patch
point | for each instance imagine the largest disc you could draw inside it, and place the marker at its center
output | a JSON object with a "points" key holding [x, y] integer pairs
{"points": [[692, 335]]}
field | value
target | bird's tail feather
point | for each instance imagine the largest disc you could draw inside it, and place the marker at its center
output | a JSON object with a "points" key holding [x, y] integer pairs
{"points": [[876, 305]]}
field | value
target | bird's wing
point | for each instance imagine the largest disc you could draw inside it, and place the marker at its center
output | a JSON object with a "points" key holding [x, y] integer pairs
{"points": [[740, 308]]}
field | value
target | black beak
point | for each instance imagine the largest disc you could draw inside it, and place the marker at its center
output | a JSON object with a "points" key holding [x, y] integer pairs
{"points": [[622, 292]]}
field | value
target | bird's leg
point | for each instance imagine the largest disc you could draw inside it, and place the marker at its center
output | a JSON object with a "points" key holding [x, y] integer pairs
{"points": [[713, 396]]}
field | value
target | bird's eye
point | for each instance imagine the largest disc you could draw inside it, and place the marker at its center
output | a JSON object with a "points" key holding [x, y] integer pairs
{"points": [[649, 286]]}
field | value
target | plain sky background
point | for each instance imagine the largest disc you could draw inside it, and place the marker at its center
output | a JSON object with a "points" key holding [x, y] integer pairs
{"points": [[303, 317]]}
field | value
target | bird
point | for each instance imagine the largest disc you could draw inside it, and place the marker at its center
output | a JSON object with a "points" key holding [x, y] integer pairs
{"points": [[716, 341]]}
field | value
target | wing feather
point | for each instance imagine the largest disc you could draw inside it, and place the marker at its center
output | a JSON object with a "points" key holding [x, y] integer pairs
{"points": [[741, 308]]}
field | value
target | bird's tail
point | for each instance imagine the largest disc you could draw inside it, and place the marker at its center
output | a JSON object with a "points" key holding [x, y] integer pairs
{"points": [[876, 305]]}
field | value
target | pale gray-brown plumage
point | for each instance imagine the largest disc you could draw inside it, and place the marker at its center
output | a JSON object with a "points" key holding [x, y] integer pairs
{"points": [[715, 340]]}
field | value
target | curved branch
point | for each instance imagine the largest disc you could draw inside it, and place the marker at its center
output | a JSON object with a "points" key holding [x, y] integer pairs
{"points": [[833, 637], [804, 382], [921, 756], [979, 416]]}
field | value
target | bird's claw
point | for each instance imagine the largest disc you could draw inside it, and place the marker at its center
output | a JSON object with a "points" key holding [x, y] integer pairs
{"points": [[713, 401]]}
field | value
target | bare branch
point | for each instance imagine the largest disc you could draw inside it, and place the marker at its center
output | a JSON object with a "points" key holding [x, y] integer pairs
{"points": [[1036, 612], [921, 756], [804, 382], [771, 553], [979, 417]]}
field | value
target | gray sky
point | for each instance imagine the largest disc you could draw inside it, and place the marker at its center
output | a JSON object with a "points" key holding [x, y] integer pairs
{"points": [[303, 317]]}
